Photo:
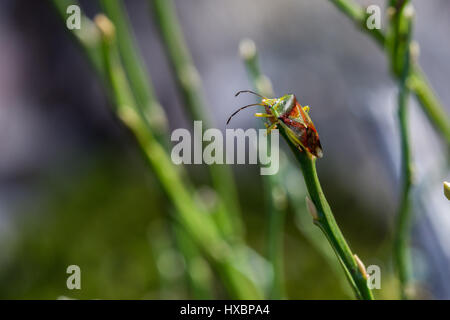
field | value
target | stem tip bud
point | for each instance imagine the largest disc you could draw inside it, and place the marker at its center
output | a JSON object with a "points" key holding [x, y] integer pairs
{"points": [[361, 267], [312, 209], [105, 26], [247, 49], [447, 189]]}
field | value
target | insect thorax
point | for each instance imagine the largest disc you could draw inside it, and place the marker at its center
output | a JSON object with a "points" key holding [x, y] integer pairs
{"points": [[284, 105]]}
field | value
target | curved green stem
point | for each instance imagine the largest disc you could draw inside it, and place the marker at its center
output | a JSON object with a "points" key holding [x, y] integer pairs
{"points": [[327, 223]]}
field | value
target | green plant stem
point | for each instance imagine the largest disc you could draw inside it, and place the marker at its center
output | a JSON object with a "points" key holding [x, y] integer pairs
{"points": [[135, 69], [198, 272], [358, 16], [429, 101], [275, 239], [275, 197], [402, 26], [87, 37], [189, 83], [194, 220], [326, 222], [403, 225], [417, 83]]}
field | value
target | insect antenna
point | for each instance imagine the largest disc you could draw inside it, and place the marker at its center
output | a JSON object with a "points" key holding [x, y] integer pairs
{"points": [[248, 91], [242, 108]]}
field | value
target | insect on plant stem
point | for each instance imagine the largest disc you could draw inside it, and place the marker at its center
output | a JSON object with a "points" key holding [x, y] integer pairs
{"points": [[277, 184], [299, 131]]}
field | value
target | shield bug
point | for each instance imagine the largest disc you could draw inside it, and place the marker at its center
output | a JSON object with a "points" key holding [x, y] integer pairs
{"points": [[287, 112]]}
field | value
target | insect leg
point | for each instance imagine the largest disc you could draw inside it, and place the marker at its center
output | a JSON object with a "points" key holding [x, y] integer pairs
{"points": [[292, 136], [271, 127], [263, 115]]}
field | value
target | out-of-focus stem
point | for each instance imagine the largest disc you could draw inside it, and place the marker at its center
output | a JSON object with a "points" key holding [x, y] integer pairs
{"points": [[198, 271], [189, 83], [417, 82], [402, 24], [144, 93], [358, 16], [275, 197], [447, 189], [87, 37], [142, 88], [194, 220], [276, 203], [135, 69], [105, 57], [430, 103]]}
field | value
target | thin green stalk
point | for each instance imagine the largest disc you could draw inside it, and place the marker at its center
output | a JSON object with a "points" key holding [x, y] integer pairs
{"points": [[162, 245], [427, 98], [359, 17], [129, 113], [198, 272], [189, 83], [417, 83], [402, 25], [197, 222], [274, 195], [404, 215], [297, 196], [87, 37], [143, 91], [324, 219], [275, 238], [135, 69]]}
